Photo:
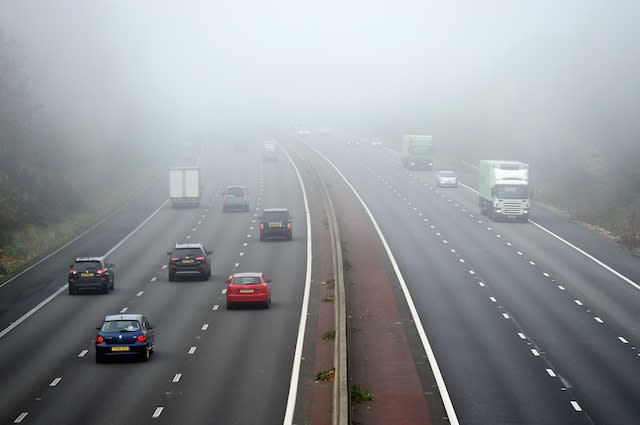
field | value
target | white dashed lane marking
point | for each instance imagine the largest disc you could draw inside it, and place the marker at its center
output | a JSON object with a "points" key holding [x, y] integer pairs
{"points": [[535, 352], [177, 377], [194, 229], [519, 253], [153, 279], [578, 302], [521, 335], [55, 382], [597, 319], [83, 353], [505, 315], [164, 266], [244, 244], [205, 326], [236, 265], [624, 341], [576, 406], [493, 300], [188, 236], [124, 309], [139, 294], [242, 254], [157, 412], [192, 350], [532, 263], [224, 291], [551, 373], [545, 274], [560, 287], [215, 307], [20, 417]]}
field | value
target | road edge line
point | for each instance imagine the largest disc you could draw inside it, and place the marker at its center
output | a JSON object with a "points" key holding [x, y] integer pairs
{"points": [[297, 357]]}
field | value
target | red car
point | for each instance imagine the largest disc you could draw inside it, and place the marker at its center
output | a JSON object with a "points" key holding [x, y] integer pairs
{"points": [[248, 288]]}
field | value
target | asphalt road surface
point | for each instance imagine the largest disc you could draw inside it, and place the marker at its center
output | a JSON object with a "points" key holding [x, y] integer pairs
{"points": [[526, 329], [210, 365]]}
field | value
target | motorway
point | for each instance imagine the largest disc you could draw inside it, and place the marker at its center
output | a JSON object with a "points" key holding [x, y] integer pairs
{"points": [[210, 365], [525, 329]]}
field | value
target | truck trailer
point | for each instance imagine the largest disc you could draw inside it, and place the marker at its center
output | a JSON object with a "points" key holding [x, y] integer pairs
{"points": [[184, 186], [504, 189], [417, 152]]}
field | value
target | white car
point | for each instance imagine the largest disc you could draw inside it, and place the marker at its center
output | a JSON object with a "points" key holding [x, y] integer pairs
{"points": [[446, 179]]}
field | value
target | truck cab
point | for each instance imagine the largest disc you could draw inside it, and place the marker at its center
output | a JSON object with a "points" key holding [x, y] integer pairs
{"points": [[504, 190]]}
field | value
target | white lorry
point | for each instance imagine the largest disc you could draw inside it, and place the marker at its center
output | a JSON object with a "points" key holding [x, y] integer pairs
{"points": [[184, 186], [504, 189]]}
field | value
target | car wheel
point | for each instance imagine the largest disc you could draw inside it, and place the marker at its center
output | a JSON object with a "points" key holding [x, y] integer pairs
{"points": [[146, 354], [99, 358], [229, 306], [113, 283], [290, 236], [72, 291], [205, 276], [172, 277], [105, 288], [267, 303]]}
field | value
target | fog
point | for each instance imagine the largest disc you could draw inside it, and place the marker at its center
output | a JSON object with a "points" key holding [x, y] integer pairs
{"points": [[518, 78]]}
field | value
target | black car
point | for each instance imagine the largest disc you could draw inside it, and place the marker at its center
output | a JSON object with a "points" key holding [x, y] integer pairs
{"points": [[124, 335], [189, 259], [91, 273], [235, 198], [275, 222]]}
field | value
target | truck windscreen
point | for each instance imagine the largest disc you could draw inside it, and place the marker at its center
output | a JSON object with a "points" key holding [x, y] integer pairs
{"points": [[512, 192], [420, 150]]}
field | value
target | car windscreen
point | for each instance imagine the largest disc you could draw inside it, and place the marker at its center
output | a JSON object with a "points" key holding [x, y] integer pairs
{"points": [[121, 326], [275, 216], [235, 191], [187, 252], [87, 265], [246, 280]]}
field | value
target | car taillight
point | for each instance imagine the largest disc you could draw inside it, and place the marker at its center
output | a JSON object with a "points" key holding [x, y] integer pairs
{"points": [[102, 271], [99, 339], [73, 271], [174, 259], [261, 225], [225, 196], [245, 197], [201, 258], [288, 225], [141, 338]]}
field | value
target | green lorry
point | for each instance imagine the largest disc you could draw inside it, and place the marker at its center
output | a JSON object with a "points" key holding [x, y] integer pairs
{"points": [[417, 152]]}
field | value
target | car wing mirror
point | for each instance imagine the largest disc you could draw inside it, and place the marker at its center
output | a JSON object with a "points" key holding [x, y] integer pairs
{"points": [[98, 328], [268, 280], [227, 281]]}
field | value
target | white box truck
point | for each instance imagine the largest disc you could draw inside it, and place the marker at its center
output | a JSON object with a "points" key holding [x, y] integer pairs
{"points": [[184, 186], [504, 189]]}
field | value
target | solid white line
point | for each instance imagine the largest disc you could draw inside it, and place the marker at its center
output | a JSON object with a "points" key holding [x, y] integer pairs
{"points": [[124, 309], [442, 387], [192, 350], [53, 253], [22, 415], [157, 412], [551, 373], [205, 326], [589, 256], [576, 406], [83, 353], [32, 311], [624, 341], [297, 357], [177, 377], [139, 294], [146, 220], [55, 382]]}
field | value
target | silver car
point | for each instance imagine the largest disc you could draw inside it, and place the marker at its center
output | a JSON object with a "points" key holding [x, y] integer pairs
{"points": [[235, 198], [446, 179]]}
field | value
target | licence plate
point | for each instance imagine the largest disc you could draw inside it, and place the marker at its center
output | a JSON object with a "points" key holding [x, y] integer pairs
{"points": [[276, 225], [119, 348], [86, 274], [246, 291], [187, 261]]}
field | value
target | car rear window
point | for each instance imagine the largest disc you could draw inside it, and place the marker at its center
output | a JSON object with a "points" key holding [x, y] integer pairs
{"points": [[447, 174], [121, 326], [87, 265], [235, 191], [252, 280], [187, 252], [275, 216]]}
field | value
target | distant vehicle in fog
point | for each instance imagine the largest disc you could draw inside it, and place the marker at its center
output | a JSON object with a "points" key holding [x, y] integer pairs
{"points": [[184, 186], [269, 152], [275, 222], [446, 178], [417, 151], [503, 189], [235, 198]]}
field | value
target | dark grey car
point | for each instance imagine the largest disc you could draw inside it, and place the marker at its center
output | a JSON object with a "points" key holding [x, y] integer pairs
{"points": [[275, 222], [235, 198], [91, 273]]}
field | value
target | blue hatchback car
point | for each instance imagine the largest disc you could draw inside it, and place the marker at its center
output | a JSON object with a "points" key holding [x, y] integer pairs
{"points": [[124, 335]]}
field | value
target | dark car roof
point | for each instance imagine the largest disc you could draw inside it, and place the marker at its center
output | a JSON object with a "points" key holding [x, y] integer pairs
{"points": [[130, 316]]}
